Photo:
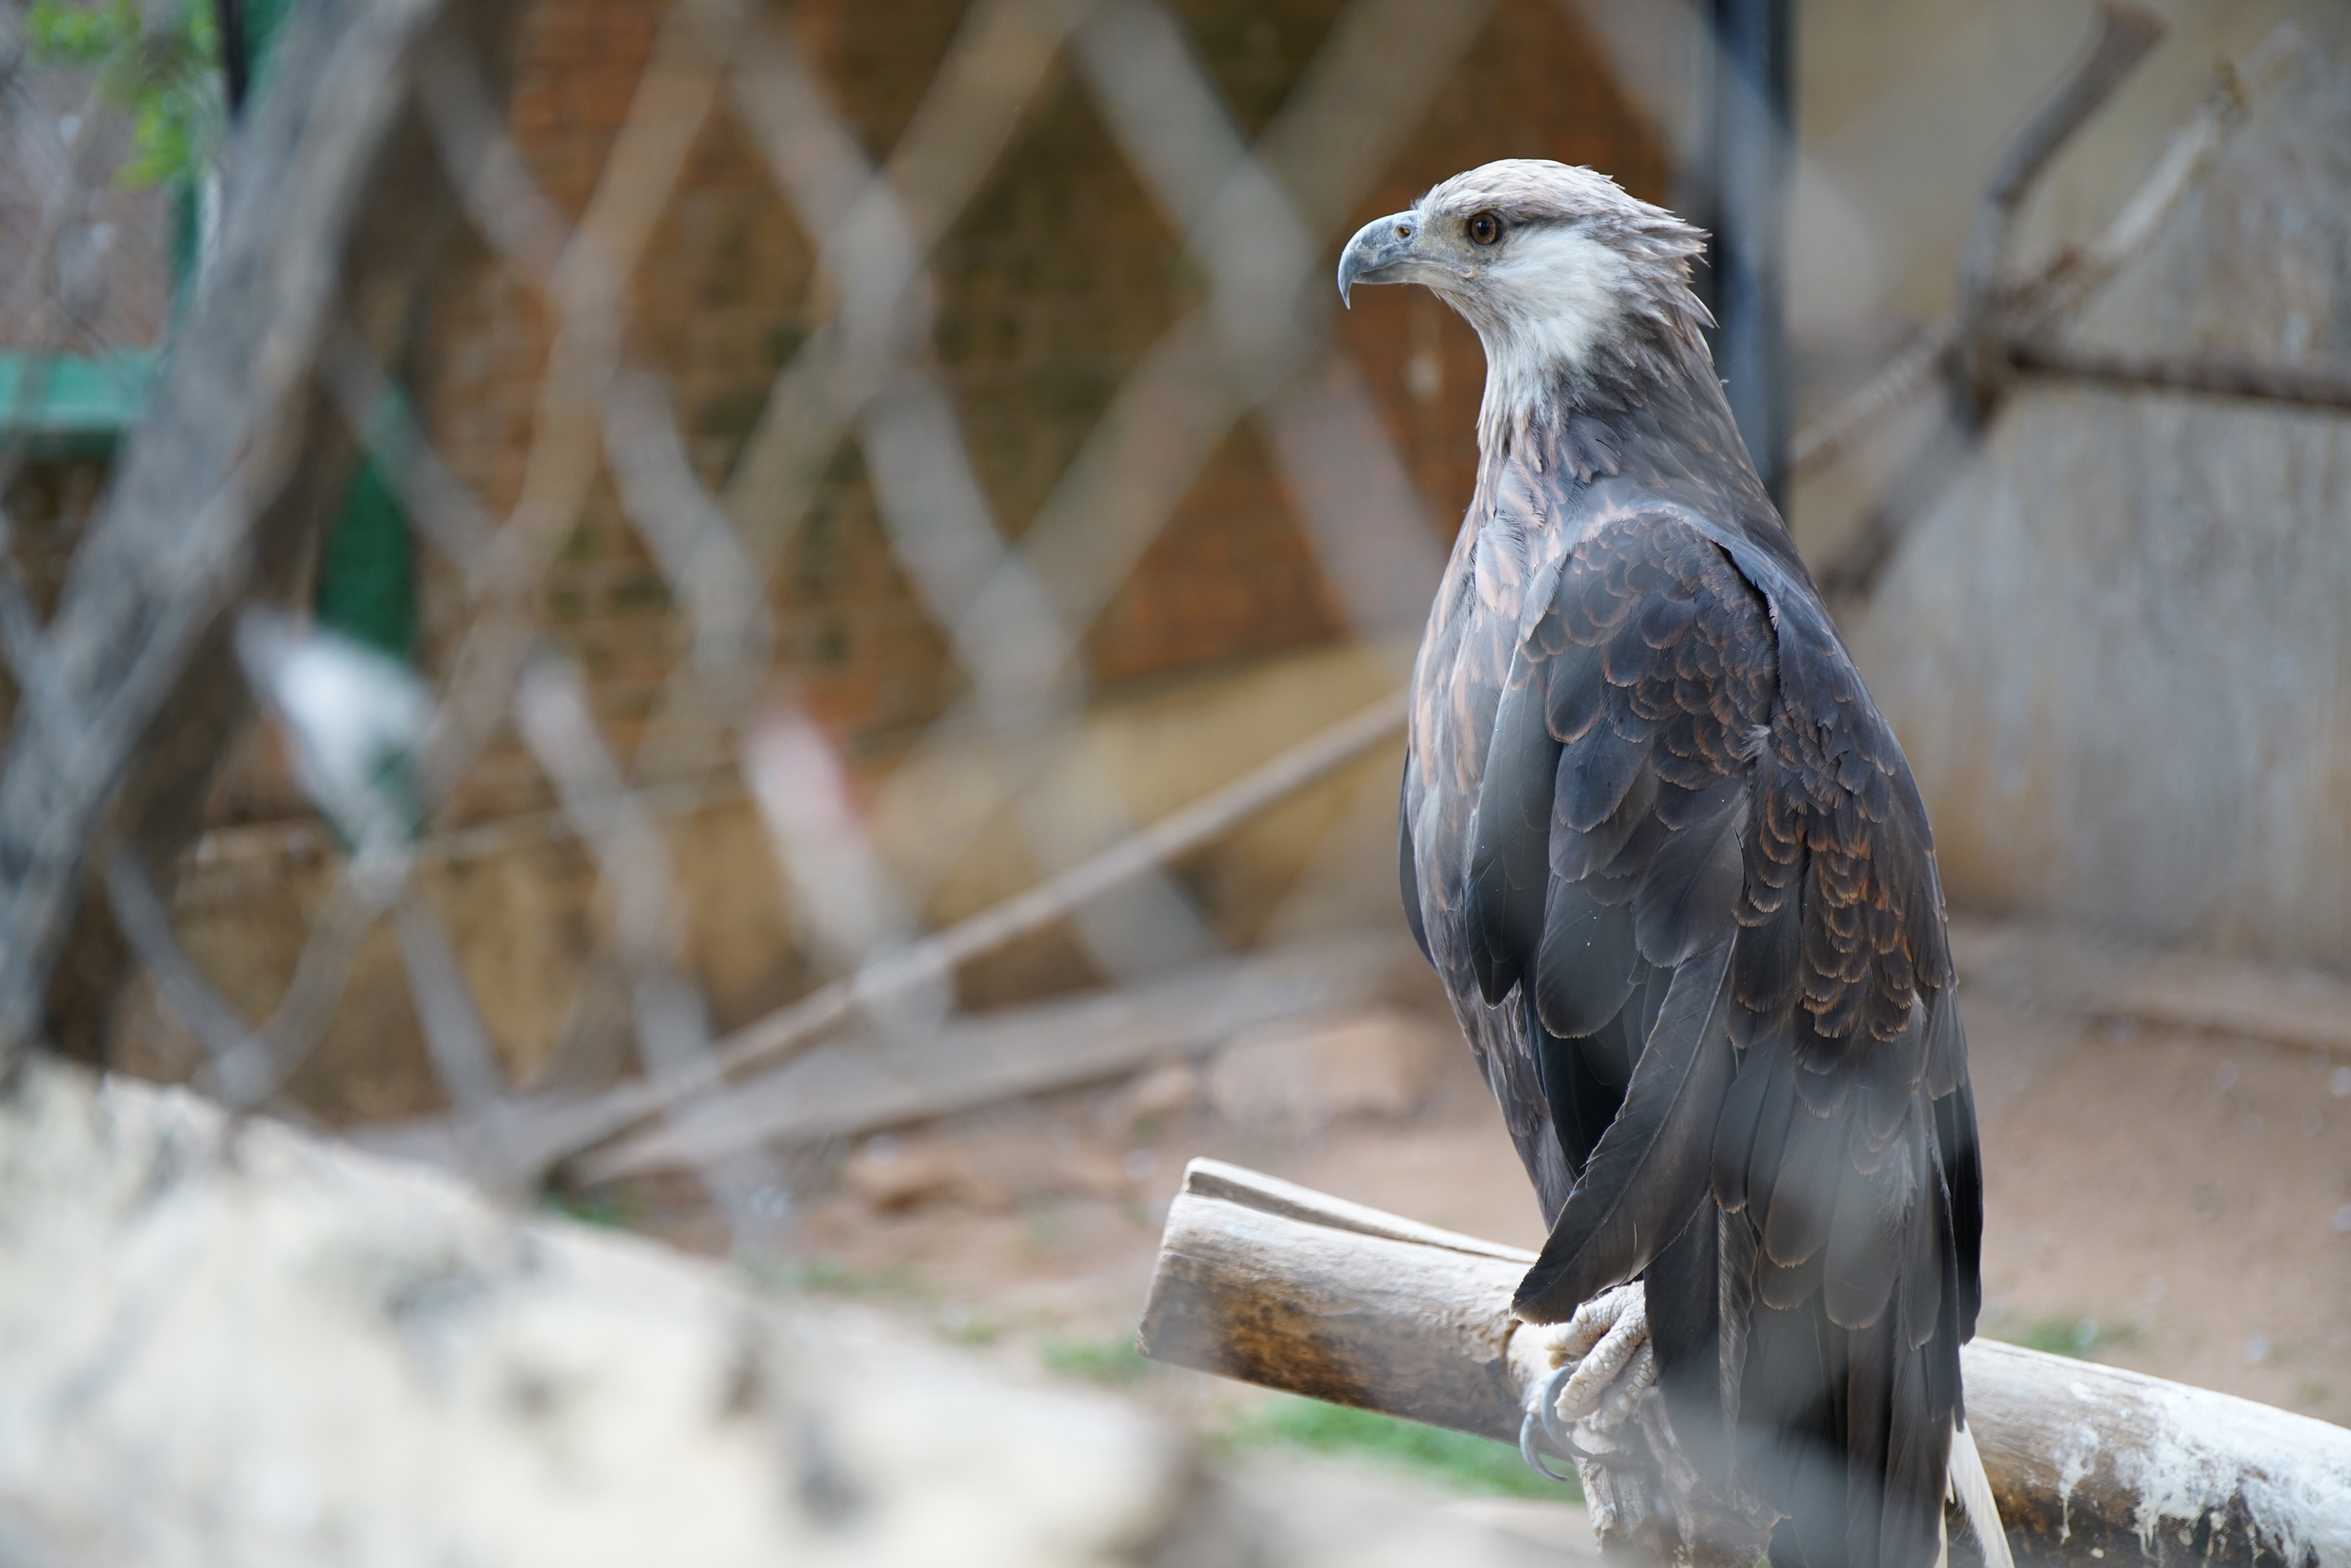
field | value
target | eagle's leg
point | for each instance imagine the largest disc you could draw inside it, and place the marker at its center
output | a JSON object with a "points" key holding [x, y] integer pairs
{"points": [[1607, 1344], [1600, 1364], [1599, 1406]]}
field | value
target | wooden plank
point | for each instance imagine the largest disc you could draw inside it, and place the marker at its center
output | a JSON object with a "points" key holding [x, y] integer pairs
{"points": [[1276, 1284], [767, 1041], [860, 1086]]}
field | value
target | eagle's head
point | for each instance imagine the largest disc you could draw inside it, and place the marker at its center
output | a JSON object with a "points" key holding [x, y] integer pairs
{"points": [[1566, 278]]}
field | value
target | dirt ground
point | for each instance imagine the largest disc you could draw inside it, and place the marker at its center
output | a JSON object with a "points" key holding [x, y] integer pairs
{"points": [[2169, 1198]]}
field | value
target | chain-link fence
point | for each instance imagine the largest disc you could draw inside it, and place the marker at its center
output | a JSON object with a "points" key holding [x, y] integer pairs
{"points": [[244, 799], [627, 528]]}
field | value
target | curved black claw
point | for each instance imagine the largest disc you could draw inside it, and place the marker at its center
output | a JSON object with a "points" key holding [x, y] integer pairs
{"points": [[1543, 1420]]}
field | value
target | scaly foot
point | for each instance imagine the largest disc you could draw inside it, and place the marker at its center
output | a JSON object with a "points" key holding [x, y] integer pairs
{"points": [[1594, 1404], [1603, 1364]]}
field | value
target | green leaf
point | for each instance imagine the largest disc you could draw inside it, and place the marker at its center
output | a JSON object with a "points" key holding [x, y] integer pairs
{"points": [[1116, 1363], [167, 77], [66, 33]]}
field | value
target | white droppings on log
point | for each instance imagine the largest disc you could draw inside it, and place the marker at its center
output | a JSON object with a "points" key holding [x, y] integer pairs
{"points": [[2131, 1462], [2294, 1508]]}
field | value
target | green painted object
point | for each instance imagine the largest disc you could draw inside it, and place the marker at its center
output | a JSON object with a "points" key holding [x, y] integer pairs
{"points": [[367, 573], [72, 407], [64, 406]]}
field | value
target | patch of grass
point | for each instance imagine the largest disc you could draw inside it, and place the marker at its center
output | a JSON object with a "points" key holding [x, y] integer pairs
{"points": [[965, 1325], [827, 1276], [1452, 1459], [605, 1209], [1113, 1363], [2079, 1337], [1043, 1222], [822, 1274]]}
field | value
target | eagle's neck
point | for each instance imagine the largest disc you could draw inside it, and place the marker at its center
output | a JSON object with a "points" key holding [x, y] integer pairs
{"points": [[1573, 326], [1544, 374], [1571, 400]]}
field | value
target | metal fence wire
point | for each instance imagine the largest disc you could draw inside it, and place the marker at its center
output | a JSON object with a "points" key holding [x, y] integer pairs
{"points": [[214, 682], [381, 144]]}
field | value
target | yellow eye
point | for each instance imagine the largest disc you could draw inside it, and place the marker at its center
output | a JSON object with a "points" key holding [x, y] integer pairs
{"points": [[1485, 228]]}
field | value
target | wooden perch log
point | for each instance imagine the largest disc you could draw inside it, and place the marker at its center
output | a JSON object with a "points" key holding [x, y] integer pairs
{"points": [[1278, 1285]]}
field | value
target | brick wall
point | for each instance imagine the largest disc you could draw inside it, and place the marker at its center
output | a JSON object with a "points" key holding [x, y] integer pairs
{"points": [[1058, 280], [1060, 277]]}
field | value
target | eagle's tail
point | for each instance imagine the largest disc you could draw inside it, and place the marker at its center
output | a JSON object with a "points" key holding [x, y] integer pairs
{"points": [[1971, 1490]]}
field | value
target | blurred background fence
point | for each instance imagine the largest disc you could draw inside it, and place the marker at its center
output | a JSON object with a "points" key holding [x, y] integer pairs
{"points": [[701, 495], [563, 552]]}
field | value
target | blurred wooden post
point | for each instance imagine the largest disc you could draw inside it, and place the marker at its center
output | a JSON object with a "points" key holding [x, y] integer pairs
{"points": [[1279, 1285], [231, 1341], [337, 210]]}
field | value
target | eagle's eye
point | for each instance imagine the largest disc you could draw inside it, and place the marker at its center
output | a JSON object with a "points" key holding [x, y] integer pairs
{"points": [[1485, 228]]}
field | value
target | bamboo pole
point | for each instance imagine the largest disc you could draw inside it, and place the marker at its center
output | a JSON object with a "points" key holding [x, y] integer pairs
{"points": [[1282, 1286]]}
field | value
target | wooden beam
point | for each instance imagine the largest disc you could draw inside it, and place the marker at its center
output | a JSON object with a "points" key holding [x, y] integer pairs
{"points": [[862, 1083], [1282, 1286], [562, 1129]]}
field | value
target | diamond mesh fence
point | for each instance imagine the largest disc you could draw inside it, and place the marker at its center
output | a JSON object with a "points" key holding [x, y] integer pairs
{"points": [[305, 703], [563, 556]]}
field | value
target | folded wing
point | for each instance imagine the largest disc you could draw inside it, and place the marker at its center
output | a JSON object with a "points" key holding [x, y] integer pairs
{"points": [[1702, 870]]}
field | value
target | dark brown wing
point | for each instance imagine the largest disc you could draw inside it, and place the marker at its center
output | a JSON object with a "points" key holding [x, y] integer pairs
{"points": [[1701, 863]]}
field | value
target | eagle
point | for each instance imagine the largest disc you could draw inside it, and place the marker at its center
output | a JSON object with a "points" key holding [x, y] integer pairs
{"points": [[1673, 870]]}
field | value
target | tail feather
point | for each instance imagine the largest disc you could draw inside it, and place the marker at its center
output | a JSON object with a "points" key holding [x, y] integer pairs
{"points": [[1971, 1490]]}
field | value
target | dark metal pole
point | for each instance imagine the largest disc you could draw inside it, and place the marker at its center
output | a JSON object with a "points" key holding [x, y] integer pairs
{"points": [[236, 64], [1739, 190]]}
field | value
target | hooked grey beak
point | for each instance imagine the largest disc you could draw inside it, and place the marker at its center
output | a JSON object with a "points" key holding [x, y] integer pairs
{"points": [[1379, 252]]}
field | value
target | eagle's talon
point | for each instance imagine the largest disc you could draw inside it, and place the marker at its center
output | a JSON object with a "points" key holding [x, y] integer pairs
{"points": [[1604, 1365], [1597, 1319], [1617, 1401], [1541, 1423]]}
